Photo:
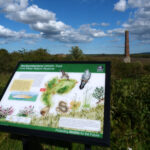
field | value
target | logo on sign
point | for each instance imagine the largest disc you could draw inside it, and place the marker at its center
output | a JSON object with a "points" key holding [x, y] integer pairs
{"points": [[100, 69]]}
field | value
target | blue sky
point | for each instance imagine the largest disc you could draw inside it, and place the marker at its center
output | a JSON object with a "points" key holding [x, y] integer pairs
{"points": [[96, 26]]}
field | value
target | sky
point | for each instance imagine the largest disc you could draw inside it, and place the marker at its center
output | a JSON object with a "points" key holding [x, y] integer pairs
{"points": [[96, 26]]}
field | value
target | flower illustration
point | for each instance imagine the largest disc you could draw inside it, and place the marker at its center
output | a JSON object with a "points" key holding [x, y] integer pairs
{"points": [[74, 105], [4, 112], [27, 111]]}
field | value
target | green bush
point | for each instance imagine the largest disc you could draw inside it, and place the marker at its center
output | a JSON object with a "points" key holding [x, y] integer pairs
{"points": [[147, 67], [127, 70], [130, 109]]}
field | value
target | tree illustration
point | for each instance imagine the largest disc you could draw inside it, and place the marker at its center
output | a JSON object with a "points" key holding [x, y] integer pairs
{"points": [[99, 94]]}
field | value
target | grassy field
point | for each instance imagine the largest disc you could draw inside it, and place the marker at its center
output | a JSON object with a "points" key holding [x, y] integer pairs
{"points": [[130, 107]]}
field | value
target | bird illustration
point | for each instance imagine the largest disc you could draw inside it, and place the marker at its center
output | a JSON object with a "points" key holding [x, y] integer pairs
{"points": [[64, 75], [85, 78]]}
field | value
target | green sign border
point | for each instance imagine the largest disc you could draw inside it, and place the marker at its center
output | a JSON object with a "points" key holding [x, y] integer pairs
{"points": [[58, 130], [57, 67], [105, 138]]}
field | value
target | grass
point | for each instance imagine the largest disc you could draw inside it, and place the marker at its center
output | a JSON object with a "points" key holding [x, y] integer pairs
{"points": [[15, 144], [50, 120], [6, 143]]}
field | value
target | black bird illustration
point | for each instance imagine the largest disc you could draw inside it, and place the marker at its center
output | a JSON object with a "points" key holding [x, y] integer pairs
{"points": [[85, 78]]}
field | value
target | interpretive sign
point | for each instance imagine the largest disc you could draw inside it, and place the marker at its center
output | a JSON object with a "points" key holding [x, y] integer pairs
{"points": [[59, 100]]}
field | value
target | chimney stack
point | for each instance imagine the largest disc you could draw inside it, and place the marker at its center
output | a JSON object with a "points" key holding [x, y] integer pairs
{"points": [[127, 54]]}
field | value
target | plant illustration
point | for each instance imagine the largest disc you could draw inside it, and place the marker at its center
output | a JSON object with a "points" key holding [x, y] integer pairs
{"points": [[27, 111], [74, 105], [87, 99], [56, 86], [99, 94], [4, 112]]}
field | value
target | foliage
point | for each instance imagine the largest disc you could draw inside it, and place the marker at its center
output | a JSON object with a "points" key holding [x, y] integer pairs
{"points": [[26, 112], [130, 97], [5, 61], [99, 93], [130, 111], [4, 112], [74, 105], [127, 70], [59, 86], [87, 99], [146, 67], [51, 120], [76, 53]]}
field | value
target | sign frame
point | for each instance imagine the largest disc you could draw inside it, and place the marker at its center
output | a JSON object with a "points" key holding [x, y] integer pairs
{"points": [[104, 141]]}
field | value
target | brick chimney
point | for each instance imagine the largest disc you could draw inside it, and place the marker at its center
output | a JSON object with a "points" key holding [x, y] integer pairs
{"points": [[127, 53]]}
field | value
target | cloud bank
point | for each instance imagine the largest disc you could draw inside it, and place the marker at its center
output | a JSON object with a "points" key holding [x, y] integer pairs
{"points": [[139, 24], [45, 22], [47, 26]]}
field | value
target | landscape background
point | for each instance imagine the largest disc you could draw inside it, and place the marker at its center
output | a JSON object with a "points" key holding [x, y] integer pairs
{"points": [[130, 96], [46, 30]]}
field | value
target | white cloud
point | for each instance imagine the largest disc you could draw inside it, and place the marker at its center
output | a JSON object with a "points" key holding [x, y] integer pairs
{"points": [[13, 5], [73, 36], [6, 33], [45, 22], [9, 35], [94, 24], [31, 14], [104, 24], [87, 30], [139, 23], [139, 27], [51, 27], [121, 5], [139, 3], [117, 31]]}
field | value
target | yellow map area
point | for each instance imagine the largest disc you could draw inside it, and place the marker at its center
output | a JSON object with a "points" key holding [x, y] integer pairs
{"points": [[21, 85]]}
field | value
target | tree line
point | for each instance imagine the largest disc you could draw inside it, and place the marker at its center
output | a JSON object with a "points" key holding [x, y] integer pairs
{"points": [[8, 60]]}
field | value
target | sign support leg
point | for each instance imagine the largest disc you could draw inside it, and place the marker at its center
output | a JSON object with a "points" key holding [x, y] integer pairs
{"points": [[26, 144], [31, 143], [87, 147]]}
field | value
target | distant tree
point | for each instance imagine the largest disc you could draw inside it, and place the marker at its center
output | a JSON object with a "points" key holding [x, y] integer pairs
{"points": [[4, 60], [41, 51], [39, 54], [22, 51], [3, 52], [76, 53]]}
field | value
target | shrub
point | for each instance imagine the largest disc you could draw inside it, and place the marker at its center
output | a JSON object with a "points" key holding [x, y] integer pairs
{"points": [[127, 70], [130, 113]]}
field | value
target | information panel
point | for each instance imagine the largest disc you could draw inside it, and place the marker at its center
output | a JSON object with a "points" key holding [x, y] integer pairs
{"points": [[59, 98]]}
